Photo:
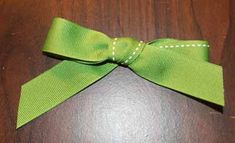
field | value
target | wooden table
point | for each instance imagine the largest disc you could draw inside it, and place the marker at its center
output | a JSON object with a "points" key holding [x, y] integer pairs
{"points": [[122, 107]]}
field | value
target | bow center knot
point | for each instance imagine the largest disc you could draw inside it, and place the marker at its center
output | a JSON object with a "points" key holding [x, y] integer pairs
{"points": [[125, 50]]}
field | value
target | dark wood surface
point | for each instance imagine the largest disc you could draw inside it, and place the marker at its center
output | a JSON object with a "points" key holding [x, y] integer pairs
{"points": [[122, 107]]}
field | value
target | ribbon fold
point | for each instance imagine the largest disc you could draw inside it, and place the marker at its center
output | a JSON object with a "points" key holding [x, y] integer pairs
{"points": [[181, 65]]}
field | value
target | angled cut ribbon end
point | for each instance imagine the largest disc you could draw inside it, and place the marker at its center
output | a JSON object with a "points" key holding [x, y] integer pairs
{"points": [[22, 116]]}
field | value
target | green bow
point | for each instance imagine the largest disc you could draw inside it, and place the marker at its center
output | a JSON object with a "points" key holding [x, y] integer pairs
{"points": [[89, 55]]}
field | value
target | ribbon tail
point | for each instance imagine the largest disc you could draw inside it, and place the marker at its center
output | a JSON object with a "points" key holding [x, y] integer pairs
{"points": [[55, 86], [196, 78]]}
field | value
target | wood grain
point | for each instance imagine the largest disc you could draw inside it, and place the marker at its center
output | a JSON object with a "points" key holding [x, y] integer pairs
{"points": [[122, 107]]}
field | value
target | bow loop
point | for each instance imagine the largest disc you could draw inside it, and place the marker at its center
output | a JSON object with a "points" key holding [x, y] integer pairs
{"points": [[125, 50], [69, 40]]}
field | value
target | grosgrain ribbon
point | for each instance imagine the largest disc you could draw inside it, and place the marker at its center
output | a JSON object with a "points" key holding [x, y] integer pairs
{"points": [[181, 65]]}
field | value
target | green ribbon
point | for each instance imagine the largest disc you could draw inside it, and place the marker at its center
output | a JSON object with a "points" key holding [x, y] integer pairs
{"points": [[181, 65]]}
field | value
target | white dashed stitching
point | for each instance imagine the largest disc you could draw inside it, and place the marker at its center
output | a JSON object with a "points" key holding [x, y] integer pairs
{"points": [[134, 52], [113, 48], [187, 45]]}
